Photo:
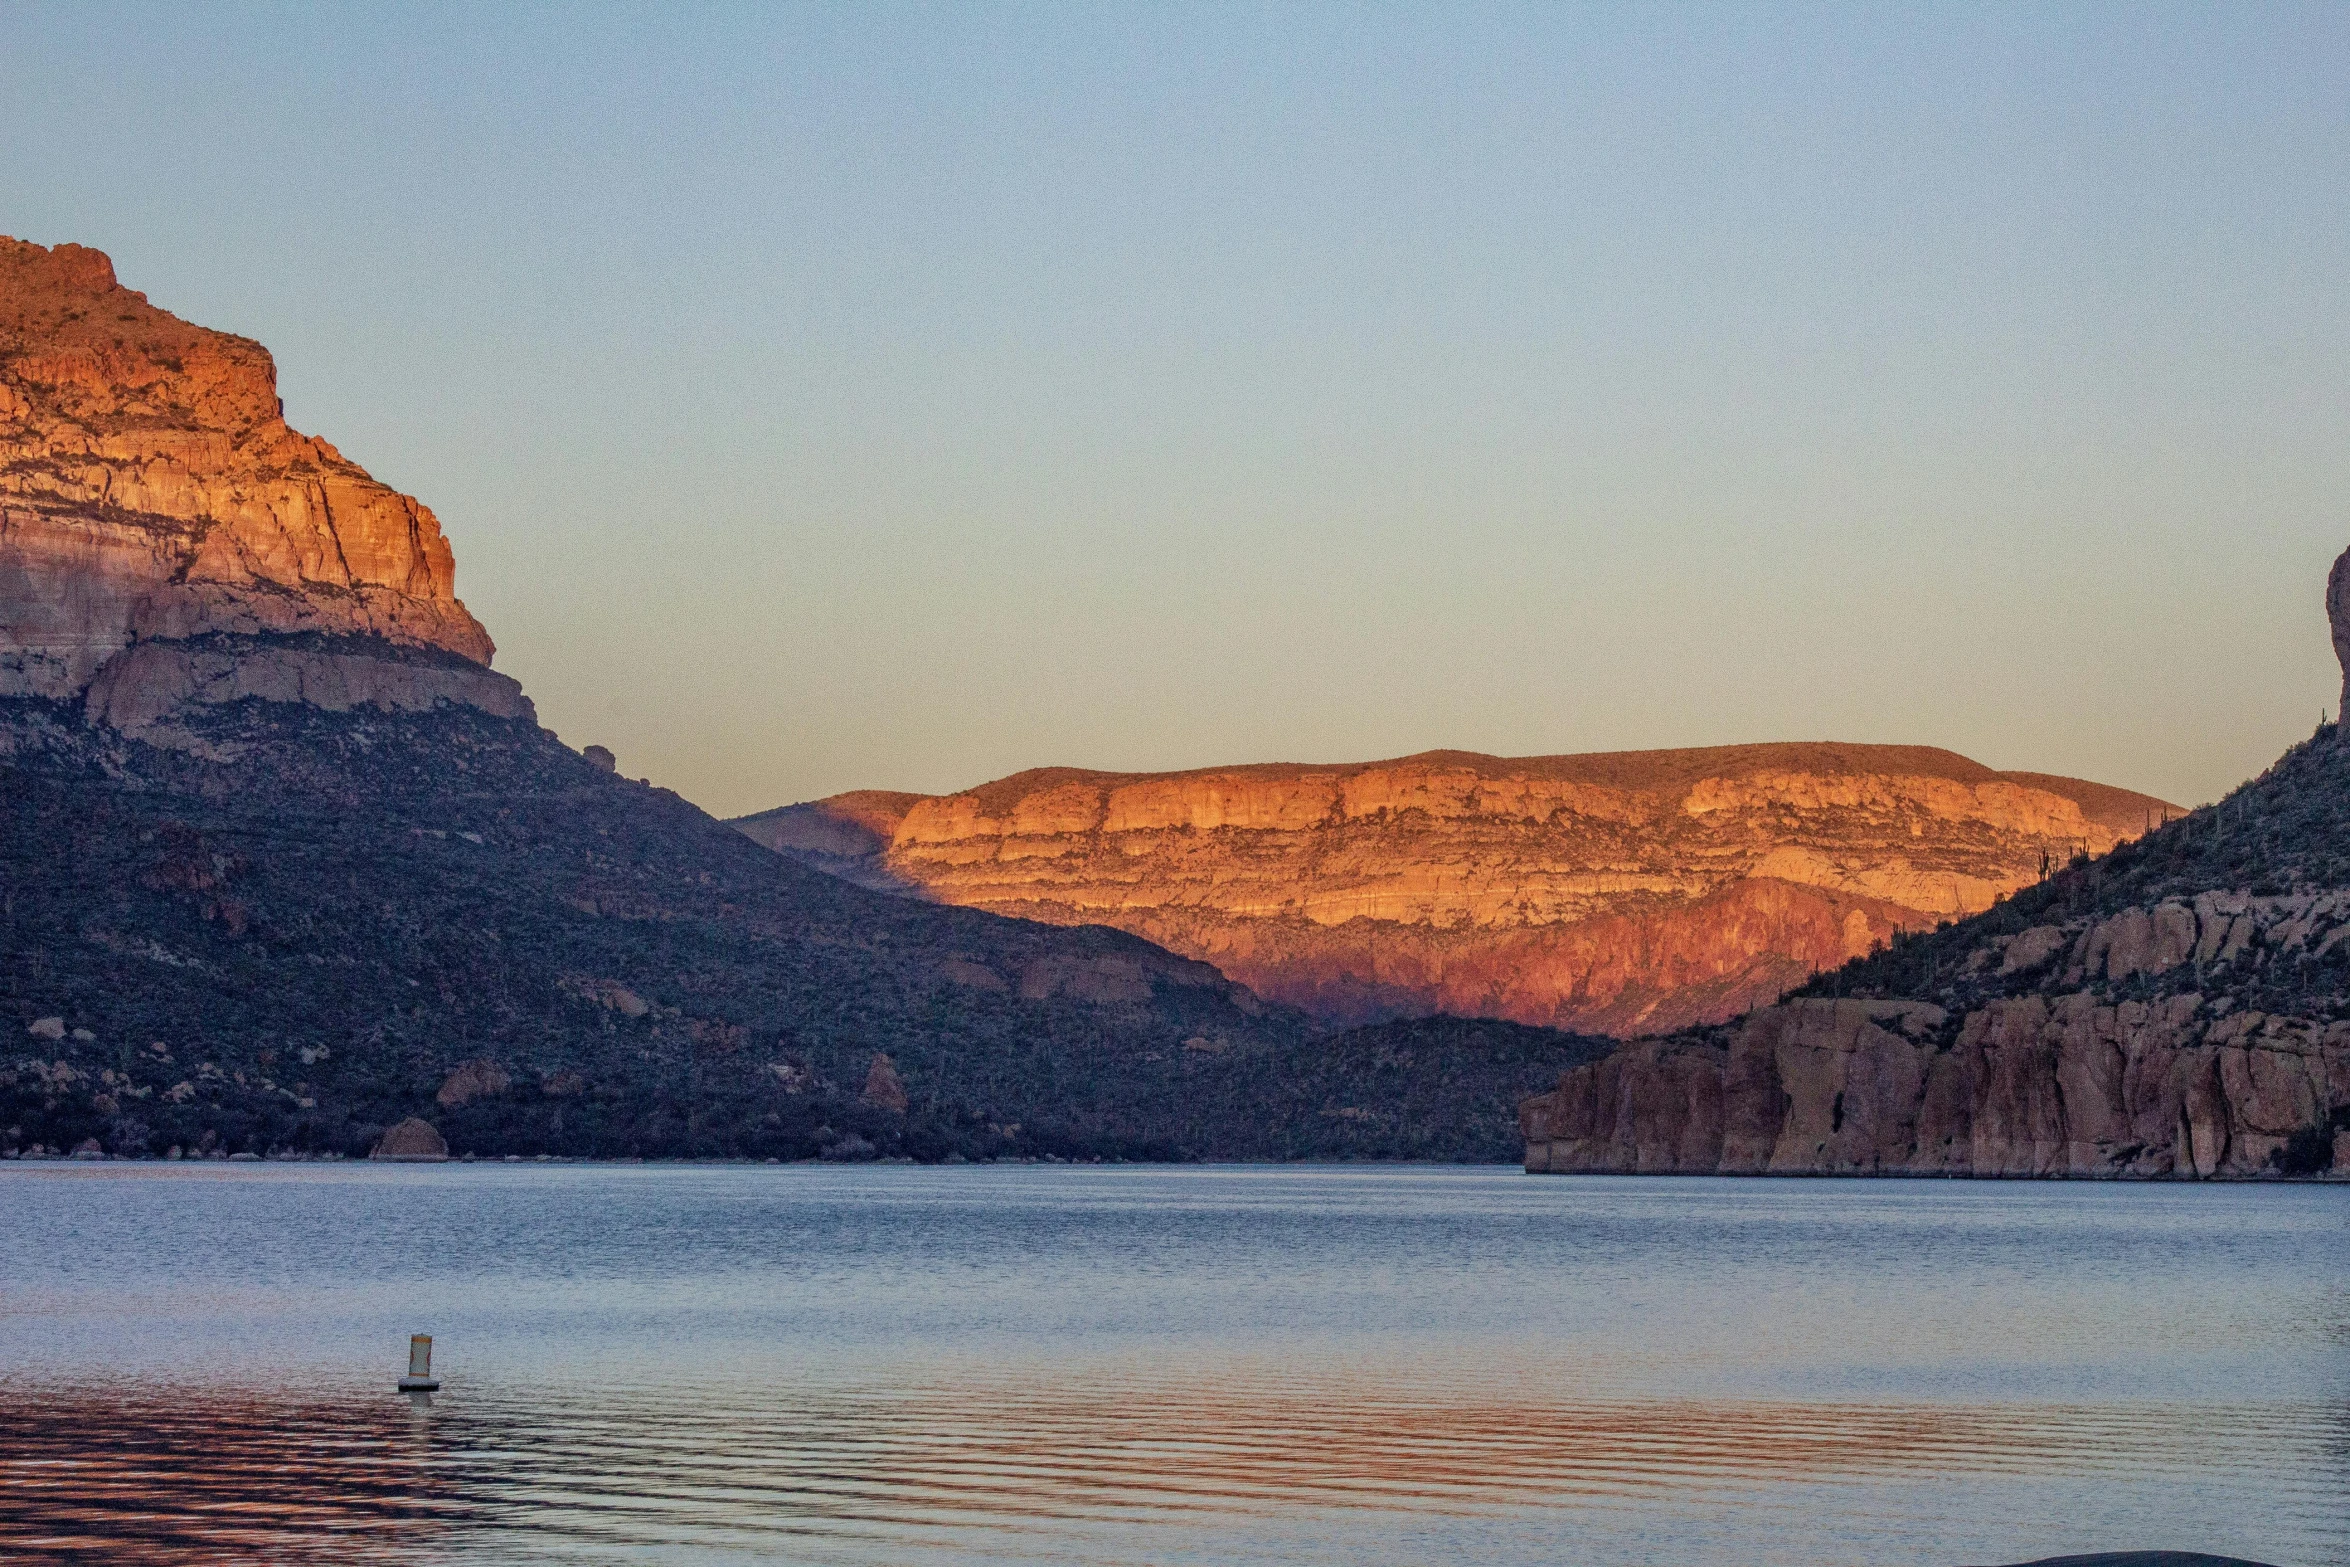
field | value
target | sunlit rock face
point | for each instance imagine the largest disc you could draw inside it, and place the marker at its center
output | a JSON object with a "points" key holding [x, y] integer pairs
{"points": [[1623, 893], [152, 495]]}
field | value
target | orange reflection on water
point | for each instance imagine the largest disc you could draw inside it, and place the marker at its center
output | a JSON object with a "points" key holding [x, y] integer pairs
{"points": [[871, 1471], [137, 1477]]}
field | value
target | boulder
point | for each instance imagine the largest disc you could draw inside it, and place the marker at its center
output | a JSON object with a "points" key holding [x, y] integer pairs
{"points": [[412, 1141], [622, 1000], [2032, 948], [882, 1089], [973, 976], [471, 1080]]}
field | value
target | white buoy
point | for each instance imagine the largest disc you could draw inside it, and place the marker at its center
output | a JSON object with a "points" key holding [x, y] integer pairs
{"points": [[419, 1378]]}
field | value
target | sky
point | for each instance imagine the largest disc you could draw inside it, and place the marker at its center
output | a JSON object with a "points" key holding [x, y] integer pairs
{"points": [[878, 396]]}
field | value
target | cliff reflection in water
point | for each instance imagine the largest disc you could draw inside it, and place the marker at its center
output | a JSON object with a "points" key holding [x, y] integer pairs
{"points": [[1099, 1467]]}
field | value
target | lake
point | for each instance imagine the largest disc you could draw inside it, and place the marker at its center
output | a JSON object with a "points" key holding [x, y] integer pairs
{"points": [[1136, 1364]]}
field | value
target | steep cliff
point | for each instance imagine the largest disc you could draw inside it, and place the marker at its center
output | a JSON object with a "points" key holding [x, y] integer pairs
{"points": [[2180, 1007], [1622, 893], [168, 542]]}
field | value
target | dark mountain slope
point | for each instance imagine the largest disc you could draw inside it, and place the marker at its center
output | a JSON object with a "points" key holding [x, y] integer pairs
{"points": [[1439, 1088], [362, 916]]}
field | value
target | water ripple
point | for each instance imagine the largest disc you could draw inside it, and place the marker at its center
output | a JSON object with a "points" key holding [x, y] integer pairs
{"points": [[991, 1468]]}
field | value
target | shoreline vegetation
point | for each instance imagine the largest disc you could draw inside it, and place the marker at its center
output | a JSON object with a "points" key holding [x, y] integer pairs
{"points": [[2332, 1177]]}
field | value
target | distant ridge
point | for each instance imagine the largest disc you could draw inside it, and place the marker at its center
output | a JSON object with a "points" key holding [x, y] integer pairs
{"points": [[1616, 892]]}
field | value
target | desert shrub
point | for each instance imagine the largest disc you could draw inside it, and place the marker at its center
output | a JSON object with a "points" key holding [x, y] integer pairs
{"points": [[2309, 1151]]}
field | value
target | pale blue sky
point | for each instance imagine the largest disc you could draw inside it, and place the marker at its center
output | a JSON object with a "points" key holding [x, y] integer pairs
{"points": [[899, 396]]}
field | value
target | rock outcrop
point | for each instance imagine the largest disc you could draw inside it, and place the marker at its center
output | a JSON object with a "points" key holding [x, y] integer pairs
{"points": [[167, 541], [1622, 893], [883, 1088], [470, 1080], [2178, 1008], [412, 1141], [2338, 617], [2065, 1085]]}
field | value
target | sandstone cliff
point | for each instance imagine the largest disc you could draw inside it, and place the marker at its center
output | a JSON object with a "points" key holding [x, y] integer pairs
{"points": [[2180, 1007], [163, 531], [1620, 893]]}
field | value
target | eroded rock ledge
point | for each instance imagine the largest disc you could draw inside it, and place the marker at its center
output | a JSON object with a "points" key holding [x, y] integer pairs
{"points": [[146, 689], [2127, 1048]]}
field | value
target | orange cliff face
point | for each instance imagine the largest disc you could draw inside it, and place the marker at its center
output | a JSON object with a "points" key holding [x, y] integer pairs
{"points": [[1625, 893], [152, 494]]}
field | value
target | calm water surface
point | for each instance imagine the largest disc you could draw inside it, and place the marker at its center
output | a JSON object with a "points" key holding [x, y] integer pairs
{"points": [[1139, 1365]]}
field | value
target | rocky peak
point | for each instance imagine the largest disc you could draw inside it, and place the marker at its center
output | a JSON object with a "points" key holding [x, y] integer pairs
{"points": [[2338, 616], [152, 494]]}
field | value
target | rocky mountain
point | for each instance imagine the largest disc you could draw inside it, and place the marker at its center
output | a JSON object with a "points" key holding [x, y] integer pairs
{"points": [[1617, 894], [2179, 1007], [154, 502], [284, 864]]}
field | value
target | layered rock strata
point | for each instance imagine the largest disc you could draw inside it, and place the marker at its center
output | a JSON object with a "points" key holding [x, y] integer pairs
{"points": [[2179, 1008], [153, 496], [1623, 893]]}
